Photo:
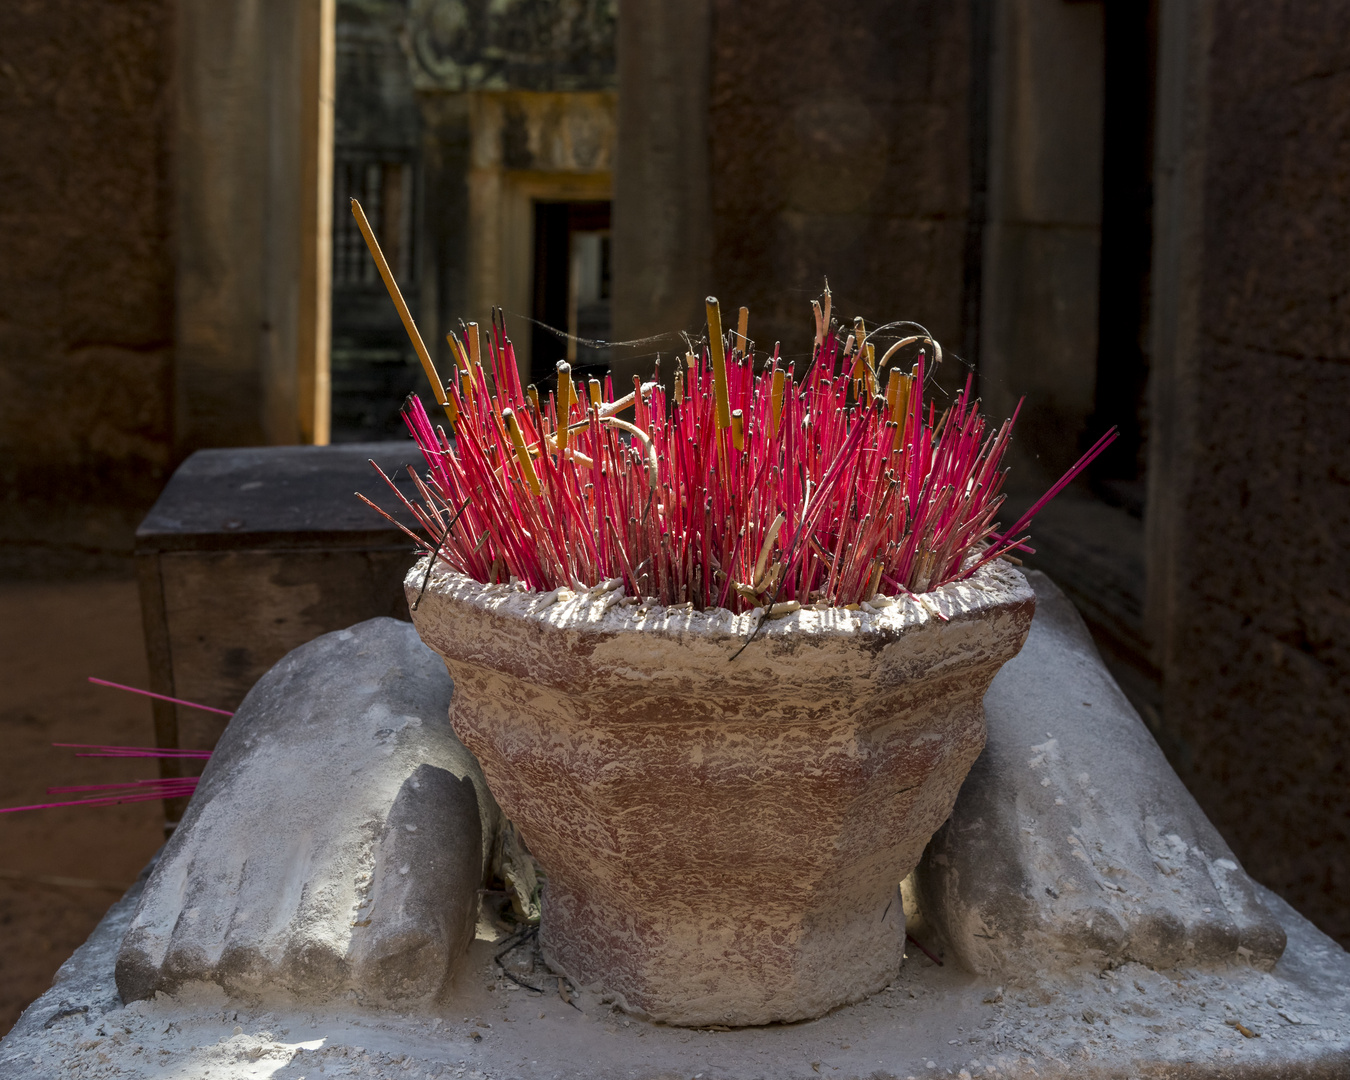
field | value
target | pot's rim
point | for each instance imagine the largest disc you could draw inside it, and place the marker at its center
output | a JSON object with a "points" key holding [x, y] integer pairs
{"points": [[604, 609]]}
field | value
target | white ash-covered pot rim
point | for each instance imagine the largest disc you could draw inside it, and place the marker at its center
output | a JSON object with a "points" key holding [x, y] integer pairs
{"points": [[605, 609]]}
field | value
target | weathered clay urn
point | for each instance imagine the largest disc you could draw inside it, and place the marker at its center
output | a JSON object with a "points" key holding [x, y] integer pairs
{"points": [[724, 835]]}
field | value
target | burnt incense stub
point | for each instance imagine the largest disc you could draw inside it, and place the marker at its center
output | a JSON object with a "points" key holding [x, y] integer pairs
{"points": [[723, 834]]}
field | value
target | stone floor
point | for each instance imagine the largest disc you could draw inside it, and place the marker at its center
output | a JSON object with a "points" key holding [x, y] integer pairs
{"points": [[933, 1022], [61, 869]]}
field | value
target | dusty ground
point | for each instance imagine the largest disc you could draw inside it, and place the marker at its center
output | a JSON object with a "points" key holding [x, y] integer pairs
{"points": [[53, 635]]}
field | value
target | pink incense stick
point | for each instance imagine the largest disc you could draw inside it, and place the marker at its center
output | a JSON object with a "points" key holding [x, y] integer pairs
{"points": [[745, 487], [130, 785], [160, 697], [136, 791], [133, 751], [171, 787]]}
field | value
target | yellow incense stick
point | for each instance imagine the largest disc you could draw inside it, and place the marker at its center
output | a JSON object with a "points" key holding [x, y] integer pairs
{"points": [[457, 351], [593, 386], [737, 429], [563, 404], [522, 453], [904, 385], [476, 358], [573, 397], [742, 325], [776, 400], [719, 360], [462, 366], [474, 345], [859, 342], [404, 314]]}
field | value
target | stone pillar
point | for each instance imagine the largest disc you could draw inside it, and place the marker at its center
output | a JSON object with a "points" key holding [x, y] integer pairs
{"points": [[838, 147], [661, 227], [317, 44], [1249, 488], [1042, 241], [253, 161], [86, 281]]}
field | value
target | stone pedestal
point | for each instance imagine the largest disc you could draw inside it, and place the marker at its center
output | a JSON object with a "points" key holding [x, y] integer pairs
{"points": [[1126, 1022], [1072, 909]]}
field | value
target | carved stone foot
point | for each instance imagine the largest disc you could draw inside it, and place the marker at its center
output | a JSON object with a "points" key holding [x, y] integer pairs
{"points": [[1072, 839], [336, 841]]}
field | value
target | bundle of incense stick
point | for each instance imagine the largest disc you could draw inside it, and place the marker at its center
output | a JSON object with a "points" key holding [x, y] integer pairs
{"points": [[169, 787], [741, 489], [113, 794]]}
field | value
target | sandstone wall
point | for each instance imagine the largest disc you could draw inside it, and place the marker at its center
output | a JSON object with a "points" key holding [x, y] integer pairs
{"points": [[86, 277], [838, 145], [1250, 508]]}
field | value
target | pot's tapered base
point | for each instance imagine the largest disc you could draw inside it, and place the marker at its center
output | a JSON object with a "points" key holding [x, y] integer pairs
{"points": [[726, 965], [725, 812]]}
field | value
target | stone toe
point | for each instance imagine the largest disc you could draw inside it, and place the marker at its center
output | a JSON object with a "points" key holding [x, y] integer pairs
{"points": [[136, 971]]}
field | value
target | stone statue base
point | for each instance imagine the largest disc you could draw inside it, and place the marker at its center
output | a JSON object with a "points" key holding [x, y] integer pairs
{"points": [[1093, 922], [932, 1022]]}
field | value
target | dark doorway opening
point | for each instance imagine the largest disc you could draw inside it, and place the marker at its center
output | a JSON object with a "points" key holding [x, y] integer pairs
{"points": [[571, 288], [1127, 250]]}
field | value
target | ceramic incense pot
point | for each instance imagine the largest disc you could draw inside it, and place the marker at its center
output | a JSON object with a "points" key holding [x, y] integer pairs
{"points": [[724, 829]]}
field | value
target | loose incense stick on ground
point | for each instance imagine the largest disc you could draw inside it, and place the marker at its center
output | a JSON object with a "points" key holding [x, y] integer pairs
{"points": [[748, 488]]}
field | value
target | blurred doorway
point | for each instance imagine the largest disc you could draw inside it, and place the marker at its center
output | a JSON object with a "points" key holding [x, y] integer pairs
{"points": [[1131, 32], [451, 132], [571, 288]]}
